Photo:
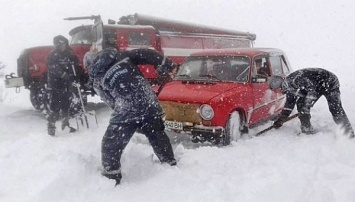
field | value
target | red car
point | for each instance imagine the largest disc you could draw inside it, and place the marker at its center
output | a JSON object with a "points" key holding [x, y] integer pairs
{"points": [[218, 94]]}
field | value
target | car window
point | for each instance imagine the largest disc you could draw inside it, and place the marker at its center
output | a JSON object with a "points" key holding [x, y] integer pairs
{"points": [[276, 65], [285, 67], [240, 69], [261, 66], [221, 68]]}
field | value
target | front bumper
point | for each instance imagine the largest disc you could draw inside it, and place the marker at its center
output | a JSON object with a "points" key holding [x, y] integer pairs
{"points": [[13, 82], [201, 132]]}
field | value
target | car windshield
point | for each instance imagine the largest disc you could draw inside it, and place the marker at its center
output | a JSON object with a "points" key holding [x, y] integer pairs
{"points": [[81, 37], [219, 68]]}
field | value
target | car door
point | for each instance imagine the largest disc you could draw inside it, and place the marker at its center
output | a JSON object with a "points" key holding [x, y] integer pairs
{"points": [[264, 98], [279, 66]]}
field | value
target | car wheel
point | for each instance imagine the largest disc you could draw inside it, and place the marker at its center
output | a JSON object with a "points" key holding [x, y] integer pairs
{"points": [[232, 131]]}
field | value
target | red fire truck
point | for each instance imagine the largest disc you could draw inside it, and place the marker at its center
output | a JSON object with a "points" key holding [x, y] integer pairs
{"points": [[173, 38]]}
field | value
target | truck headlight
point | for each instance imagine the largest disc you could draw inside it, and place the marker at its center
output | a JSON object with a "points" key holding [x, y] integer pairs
{"points": [[206, 112]]}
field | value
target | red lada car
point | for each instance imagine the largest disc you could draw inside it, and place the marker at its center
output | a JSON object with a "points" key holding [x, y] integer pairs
{"points": [[218, 94]]}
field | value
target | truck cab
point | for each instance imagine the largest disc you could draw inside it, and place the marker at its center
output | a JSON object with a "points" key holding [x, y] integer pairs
{"points": [[32, 67]]}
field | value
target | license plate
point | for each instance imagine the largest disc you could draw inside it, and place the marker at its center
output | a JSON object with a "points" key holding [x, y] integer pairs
{"points": [[173, 125]]}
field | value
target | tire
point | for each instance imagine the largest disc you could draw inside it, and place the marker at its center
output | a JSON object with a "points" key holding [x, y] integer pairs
{"points": [[233, 128], [39, 98]]}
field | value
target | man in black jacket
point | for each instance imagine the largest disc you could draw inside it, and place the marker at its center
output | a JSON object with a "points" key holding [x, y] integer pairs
{"points": [[120, 84], [303, 88], [60, 62]]}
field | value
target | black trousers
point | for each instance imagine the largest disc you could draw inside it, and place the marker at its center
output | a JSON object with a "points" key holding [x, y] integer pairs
{"points": [[117, 137], [59, 103], [335, 108]]}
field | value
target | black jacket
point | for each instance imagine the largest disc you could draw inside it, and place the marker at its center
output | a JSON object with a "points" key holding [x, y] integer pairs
{"points": [[60, 69], [311, 80], [310, 84], [119, 82]]}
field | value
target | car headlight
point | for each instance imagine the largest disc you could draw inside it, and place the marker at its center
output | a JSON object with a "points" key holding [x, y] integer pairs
{"points": [[206, 112]]}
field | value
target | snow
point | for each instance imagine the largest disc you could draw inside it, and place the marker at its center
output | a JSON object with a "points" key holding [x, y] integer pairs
{"points": [[277, 166]]}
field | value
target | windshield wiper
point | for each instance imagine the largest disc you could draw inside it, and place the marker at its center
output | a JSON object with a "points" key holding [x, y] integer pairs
{"points": [[184, 75], [210, 76]]}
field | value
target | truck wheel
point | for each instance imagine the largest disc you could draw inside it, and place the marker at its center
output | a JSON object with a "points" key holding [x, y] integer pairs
{"points": [[233, 128], [39, 98]]}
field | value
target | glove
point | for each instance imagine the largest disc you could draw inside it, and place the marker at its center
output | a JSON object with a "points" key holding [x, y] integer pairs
{"points": [[165, 76], [76, 84], [76, 79], [161, 75], [277, 124], [67, 77], [89, 85]]}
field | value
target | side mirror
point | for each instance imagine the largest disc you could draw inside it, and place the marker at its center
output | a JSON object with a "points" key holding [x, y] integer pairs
{"points": [[259, 78]]}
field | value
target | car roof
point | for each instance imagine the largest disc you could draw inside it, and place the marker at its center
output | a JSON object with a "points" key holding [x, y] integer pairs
{"points": [[251, 52]]}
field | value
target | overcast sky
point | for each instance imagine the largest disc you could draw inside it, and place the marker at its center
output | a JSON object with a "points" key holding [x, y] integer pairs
{"points": [[325, 25]]}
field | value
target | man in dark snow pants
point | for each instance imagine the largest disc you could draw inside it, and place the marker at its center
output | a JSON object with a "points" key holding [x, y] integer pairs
{"points": [[120, 84], [60, 61], [303, 88]]}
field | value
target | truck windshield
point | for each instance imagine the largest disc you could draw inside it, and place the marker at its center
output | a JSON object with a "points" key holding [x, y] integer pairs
{"points": [[82, 37], [139, 39], [219, 68]]}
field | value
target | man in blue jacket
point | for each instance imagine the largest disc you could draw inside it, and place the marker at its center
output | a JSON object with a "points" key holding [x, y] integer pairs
{"points": [[120, 84]]}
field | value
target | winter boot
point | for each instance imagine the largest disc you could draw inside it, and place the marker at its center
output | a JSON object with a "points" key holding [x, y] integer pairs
{"points": [[65, 123], [113, 175], [51, 128], [172, 162], [307, 130], [348, 129], [306, 126], [72, 130]]}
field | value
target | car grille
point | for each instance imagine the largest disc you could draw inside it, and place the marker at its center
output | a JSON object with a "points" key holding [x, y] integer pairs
{"points": [[175, 111]]}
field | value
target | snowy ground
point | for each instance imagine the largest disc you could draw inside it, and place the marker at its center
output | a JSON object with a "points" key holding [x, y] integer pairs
{"points": [[278, 166]]}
